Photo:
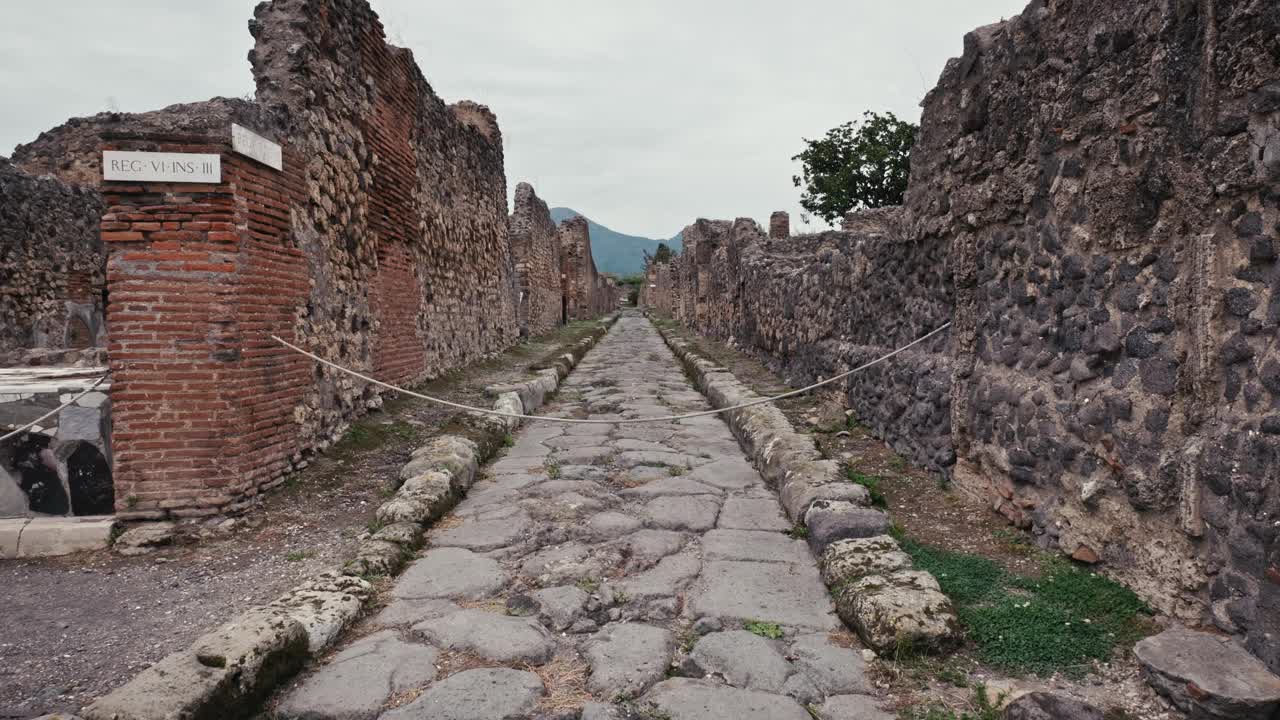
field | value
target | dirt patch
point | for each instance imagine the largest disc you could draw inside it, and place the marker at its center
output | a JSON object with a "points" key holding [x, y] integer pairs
{"points": [[932, 513], [79, 626]]}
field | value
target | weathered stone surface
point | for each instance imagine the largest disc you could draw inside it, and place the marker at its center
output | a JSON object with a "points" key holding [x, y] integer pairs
{"points": [[671, 486], [483, 694], [853, 707], [685, 699], [560, 606], [52, 536], [904, 608], [847, 560], [229, 668], [626, 658], [357, 681], [324, 606], [497, 637], [743, 659], [405, 612], [834, 670], [696, 513], [450, 573], [776, 592], [1049, 706], [760, 546], [831, 520], [482, 532], [608, 525], [1208, 676], [752, 514]]}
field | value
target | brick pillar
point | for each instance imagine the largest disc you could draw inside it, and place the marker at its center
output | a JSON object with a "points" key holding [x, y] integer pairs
{"points": [[198, 277], [779, 225]]}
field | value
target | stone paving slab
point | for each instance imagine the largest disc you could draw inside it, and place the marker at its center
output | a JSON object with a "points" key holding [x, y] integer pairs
{"points": [[634, 552], [757, 545], [774, 592], [359, 680]]}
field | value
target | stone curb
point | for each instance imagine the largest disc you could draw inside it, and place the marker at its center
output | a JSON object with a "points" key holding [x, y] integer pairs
{"points": [[226, 672], [891, 606]]}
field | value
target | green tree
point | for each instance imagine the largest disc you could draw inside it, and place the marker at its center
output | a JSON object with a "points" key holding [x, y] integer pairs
{"points": [[863, 163], [662, 254]]}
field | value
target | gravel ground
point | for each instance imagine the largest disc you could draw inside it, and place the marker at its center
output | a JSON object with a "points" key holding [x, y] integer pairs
{"points": [[79, 626]]}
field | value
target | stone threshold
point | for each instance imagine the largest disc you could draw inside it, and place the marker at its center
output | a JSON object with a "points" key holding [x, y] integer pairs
{"points": [[44, 536], [229, 671]]}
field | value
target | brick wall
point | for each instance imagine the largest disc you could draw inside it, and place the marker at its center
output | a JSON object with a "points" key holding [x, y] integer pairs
{"points": [[199, 276], [383, 245], [405, 215], [535, 249]]}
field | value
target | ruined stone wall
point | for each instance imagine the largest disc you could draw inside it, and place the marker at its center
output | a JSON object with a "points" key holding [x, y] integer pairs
{"points": [[812, 306], [1107, 175], [51, 264], [535, 250], [582, 296], [383, 245], [1094, 202], [406, 214]]}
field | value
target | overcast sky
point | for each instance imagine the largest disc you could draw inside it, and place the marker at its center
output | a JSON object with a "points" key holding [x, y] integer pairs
{"points": [[641, 115]]}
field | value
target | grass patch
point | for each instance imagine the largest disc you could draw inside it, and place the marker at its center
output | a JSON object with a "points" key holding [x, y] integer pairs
{"points": [[798, 532], [368, 434], [871, 483], [298, 555], [764, 629], [676, 471], [1062, 620], [553, 469]]}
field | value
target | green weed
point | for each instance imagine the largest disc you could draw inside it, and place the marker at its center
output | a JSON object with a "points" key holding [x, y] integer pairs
{"points": [[764, 629], [871, 483], [1061, 621]]}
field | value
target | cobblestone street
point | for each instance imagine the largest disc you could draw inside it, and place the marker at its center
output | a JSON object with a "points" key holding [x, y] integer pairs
{"points": [[640, 570]]}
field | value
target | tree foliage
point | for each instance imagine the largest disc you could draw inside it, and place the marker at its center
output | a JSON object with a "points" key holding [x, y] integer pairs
{"points": [[662, 254], [860, 164]]}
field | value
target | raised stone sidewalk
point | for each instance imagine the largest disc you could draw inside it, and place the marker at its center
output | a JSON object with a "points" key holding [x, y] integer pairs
{"points": [[602, 571]]}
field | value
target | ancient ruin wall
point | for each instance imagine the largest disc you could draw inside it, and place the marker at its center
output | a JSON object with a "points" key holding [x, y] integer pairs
{"points": [[585, 295], [382, 245], [51, 264], [535, 249], [405, 220], [812, 306], [1101, 180], [1107, 175]]}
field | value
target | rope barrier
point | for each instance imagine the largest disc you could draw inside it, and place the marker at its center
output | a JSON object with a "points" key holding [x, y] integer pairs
{"points": [[629, 421], [54, 411]]}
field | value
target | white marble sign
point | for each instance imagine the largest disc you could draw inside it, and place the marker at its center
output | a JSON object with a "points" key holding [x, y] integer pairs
{"points": [[252, 145], [132, 166]]}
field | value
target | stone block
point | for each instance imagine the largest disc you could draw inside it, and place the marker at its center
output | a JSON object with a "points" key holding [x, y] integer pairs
{"points": [[49, 536], [1208, 676], [902, 610]]}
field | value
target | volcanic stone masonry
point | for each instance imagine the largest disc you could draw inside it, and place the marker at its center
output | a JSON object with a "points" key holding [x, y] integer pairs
{"points": [[1094, 205], [535, 247], [383, 244]]}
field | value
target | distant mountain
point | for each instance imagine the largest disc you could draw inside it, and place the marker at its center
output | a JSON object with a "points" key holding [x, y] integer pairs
{"points": [[616, 252]]}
